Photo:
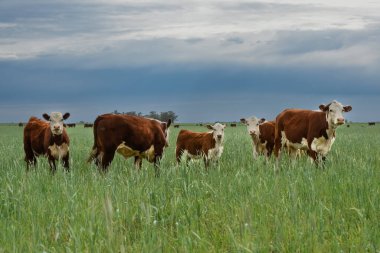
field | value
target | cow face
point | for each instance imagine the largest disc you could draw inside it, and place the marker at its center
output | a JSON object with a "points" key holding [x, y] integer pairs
{"points": [[165, 128], [334, 112], [217, 131], [56, 121], [253, 124]]}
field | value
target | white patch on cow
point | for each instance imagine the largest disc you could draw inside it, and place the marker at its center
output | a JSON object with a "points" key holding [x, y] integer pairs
{"points": [[286, 143], [215, 153], [56, 123], [322, 145], [128, 152], [59, 151]]}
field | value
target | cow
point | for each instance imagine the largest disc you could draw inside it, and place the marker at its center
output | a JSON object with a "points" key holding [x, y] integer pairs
{"points": [[176, 126], [233, 125], [208, 146], [71, 125], [313, 131], [20, 124], [47, 138], [371, 123], [88, 125], [130, 136], [262, 133]]}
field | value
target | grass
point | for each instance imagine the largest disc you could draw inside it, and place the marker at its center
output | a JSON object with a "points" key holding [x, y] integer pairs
{"points": [[240, 205]]}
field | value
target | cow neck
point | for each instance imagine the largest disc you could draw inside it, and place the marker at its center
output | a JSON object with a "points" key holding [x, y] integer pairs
{"points": [[56, 139], [330, 129], [212, 140]]}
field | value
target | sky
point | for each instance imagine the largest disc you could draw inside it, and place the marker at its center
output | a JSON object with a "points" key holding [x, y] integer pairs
{"points": [[206, 60]]}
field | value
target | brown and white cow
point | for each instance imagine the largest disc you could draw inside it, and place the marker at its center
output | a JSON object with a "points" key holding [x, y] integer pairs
{"points": [[130, 136], [262, 134], [47, 138], [194, 145], [313, 131]]}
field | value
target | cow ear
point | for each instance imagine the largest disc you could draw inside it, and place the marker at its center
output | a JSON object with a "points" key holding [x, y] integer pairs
{"points": [[46, 116], [224, 126], [323, 108], [66, 115], [347, 108], [210, 127], [262, 120], [168, 123], [243, 120]]}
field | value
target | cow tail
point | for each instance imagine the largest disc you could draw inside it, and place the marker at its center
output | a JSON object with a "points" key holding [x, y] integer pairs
{"points": [[94, 151]]}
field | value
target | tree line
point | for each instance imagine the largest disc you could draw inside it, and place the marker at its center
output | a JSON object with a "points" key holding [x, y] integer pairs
{"points": [[162, 116]]}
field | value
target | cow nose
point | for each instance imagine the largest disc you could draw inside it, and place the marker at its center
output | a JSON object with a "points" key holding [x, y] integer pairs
{"points": [[340, 121], [252, 132], [56, 127], [219, 136]]}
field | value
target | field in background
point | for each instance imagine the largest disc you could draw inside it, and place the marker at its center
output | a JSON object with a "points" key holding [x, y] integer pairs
{"points": [[240, 205]]}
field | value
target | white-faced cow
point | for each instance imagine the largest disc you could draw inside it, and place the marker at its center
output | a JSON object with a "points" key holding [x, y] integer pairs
{"points": [[47, 138], [313, 131], [208, 146], [130, 136], [262, 134]]}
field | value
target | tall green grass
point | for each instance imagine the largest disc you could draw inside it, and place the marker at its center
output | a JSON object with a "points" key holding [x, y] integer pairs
{"points": [[239, 205]]}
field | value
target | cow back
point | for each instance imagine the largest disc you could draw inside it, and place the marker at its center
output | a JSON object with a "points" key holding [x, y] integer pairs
{"points": [[195, 143], [138, 133]]}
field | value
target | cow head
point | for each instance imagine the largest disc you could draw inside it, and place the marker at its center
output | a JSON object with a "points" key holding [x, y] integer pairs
{"points": [[217, 131], [56, 121], [253, 124], [334, 112], [165, 128]]}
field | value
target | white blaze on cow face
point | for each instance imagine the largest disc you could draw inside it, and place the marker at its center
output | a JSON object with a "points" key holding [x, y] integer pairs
{"points": [[253, 125], [56, 121], [217, 132], [334, 113]]}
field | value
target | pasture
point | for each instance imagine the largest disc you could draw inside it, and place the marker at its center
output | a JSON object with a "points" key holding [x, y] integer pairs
{"points": [[239, 205]]}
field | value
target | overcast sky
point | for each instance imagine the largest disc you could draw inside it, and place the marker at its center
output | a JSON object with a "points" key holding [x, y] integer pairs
{"points": [[206, 60]]}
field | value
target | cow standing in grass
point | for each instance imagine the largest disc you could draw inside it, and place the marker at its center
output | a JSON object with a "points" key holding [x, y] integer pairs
{"points": [[262, 134], [313, 131], [47, 138], [130, 136], [208, 146]]}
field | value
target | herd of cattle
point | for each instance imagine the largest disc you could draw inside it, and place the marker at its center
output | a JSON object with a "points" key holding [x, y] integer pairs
{"points": [[142, 138]]}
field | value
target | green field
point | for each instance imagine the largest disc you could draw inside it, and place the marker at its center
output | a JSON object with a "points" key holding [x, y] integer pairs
{"points": [[239, 205]]}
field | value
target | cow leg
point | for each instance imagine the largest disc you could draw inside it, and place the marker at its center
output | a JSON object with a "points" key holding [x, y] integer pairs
{"points": [[53, 167], [313, 155], [207, 162], [138, 162], [156, 162], [178, 155], [65, 162], [106, 160], [30, 158]]}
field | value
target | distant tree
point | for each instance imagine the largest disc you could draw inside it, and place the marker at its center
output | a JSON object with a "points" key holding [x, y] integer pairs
{"points": [[133, 113], [165, 116]]}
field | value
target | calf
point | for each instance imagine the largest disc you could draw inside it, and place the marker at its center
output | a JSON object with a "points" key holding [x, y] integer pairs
{"points": [[313, 131], [88, 125], [262, 133], [130, 136], [233, 125], [208, 146], [47, 138]]}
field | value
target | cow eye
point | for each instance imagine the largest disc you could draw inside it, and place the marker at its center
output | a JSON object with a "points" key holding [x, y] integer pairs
{"points": [[331, 110]]}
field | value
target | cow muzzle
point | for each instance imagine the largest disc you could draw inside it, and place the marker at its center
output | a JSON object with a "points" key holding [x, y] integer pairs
{"points": [[340, 121]]}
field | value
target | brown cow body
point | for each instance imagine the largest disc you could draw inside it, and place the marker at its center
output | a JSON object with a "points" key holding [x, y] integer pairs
{"points": [[40, 140], [264, 143], [262, 134], [313, 131], [194, 145], [131, 136]]}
